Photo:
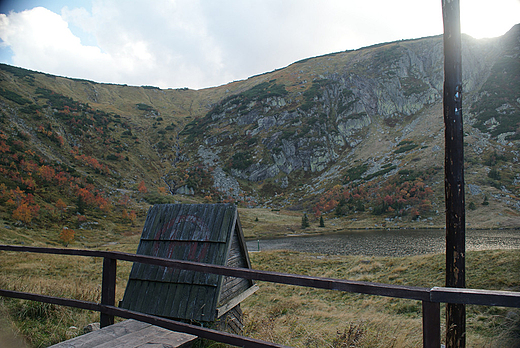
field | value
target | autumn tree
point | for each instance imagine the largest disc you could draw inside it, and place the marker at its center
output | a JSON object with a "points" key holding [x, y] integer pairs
{"points": [[61, 205], [23, 213], [66, 236], [132, 216], [142, 187]]}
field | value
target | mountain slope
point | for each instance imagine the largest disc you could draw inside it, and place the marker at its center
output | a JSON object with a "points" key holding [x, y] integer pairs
{"points": [[356, 135]]}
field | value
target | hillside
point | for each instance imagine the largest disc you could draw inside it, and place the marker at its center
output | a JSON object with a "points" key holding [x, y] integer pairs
{"points": [[354, 136]]}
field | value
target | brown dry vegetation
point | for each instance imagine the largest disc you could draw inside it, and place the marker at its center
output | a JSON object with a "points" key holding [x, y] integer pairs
{"points": [[294, 316]]}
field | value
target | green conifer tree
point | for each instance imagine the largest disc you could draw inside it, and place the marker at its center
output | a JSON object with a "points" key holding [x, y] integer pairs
{"points": [[305, 221]]}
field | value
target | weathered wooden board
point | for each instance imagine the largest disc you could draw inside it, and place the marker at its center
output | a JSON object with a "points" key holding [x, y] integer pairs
{"points": [[207, 233], [129, 334]]}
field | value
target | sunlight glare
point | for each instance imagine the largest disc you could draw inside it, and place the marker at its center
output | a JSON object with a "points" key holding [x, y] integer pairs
{"points": [[484, 18]]}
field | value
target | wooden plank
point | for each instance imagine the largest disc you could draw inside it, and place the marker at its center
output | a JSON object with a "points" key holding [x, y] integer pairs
{"points": [[152, 336], [203, 229], [128, 297], [242, 242], [136, 302], [236, 300], [191, 301], [181, 303], [183, 226], [129, 334], [148, 222], [217, 224], [476, 297], [211, 218], [232, 287], [171, 294], [149, 296], [152, 224], [206, 256], [157, 295], [100, 337], [171, 228], [226, 224], [203, 332], [201, 308], [159, 250]]}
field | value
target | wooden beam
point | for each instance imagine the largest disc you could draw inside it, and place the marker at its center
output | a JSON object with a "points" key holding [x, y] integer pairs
{"points": [[454, 172]]}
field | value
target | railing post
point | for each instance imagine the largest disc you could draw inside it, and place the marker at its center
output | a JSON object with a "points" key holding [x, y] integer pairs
{"points": [[108, 289], [454, 172], [431, 324]]}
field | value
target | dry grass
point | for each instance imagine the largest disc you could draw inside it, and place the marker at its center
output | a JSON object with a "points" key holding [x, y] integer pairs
{"points": [[304, 317], [53, 275], [261, 223], [296, 316]]}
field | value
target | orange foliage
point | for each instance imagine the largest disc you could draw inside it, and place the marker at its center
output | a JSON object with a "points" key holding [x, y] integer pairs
{"points": [[67, 235], [61, 205], [142, 187], [47, 173], [4, 147], [132, 216], [25, 212], [96, 200], [91, 161]]}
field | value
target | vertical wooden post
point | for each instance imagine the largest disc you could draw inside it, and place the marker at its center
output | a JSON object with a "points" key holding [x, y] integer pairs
{"points": [[454, 172], [108, 289], [431, 324]]}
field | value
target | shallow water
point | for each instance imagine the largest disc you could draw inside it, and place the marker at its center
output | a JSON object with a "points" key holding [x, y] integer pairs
{"points": [[388, 242]]}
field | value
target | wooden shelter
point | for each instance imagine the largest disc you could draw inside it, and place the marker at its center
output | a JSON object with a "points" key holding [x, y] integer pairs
{"points": [[206, 233]]}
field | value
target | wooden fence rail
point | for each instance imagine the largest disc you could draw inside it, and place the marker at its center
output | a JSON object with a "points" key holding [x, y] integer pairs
{"points": [[430, 297]]}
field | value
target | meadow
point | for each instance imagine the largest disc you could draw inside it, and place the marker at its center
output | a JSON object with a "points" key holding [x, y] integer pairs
{"points": [[294, 316]]}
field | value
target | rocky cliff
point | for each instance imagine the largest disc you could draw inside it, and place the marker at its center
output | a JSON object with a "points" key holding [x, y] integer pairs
{"points": [[345, 133]]}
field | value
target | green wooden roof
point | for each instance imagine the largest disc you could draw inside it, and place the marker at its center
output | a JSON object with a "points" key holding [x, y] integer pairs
{"points": [[207, 233]]}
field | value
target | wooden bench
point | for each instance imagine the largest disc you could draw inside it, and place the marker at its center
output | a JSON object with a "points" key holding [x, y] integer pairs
{"points": [[130, 334]]}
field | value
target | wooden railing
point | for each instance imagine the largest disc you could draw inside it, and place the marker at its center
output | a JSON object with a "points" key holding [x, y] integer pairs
{"points": [[430, 297]]}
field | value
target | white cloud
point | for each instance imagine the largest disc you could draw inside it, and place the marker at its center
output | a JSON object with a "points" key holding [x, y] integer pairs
{"points": [[41, 40], [202, 43]]}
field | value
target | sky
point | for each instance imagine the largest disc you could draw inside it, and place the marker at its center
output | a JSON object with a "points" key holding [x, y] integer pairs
{"points": [[204, 43]]}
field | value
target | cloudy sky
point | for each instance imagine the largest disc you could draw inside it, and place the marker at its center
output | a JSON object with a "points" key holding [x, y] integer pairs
{"points": [[204, 43]]}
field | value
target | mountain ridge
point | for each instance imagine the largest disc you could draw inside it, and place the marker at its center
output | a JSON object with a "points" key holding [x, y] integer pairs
{"points": [[355, 136]]}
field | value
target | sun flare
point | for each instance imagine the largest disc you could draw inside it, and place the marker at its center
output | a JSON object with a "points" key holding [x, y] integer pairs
{"points": [[484, 18]]}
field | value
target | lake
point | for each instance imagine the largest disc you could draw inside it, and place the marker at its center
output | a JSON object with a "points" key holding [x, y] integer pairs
{"points": [[388, 242]]}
